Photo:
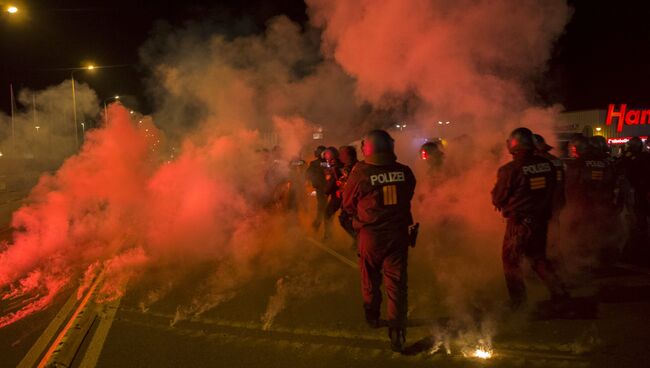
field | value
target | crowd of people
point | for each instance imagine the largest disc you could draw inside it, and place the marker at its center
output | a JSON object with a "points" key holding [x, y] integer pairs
{"points": [[577, 200], [537, 192]]}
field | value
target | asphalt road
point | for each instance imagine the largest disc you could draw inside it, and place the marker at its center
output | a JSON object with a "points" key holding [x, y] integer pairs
{"points": [[308, 314]]}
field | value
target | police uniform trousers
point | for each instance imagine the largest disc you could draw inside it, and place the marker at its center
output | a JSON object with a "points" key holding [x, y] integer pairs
{"points": [[384, 255], [527, 238]]}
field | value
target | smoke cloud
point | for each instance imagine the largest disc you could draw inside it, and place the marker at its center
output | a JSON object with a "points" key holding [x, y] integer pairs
{"points": [[188, 189]]}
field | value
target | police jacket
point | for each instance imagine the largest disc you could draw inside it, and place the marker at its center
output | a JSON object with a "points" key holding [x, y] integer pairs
{"points": [[559, 196], [590, 181], [378, 195], [525, 187]]}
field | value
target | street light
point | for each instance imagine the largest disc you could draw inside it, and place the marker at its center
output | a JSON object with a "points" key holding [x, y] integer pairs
{"points": [[11, 9], [90, 67]]}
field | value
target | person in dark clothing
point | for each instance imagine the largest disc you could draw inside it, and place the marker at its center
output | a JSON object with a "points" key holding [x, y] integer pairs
{"points": [[316, 176], [590, 188], [590, 179], [333, 173], [636, 168], [378, 197], [542, 149], [348, 156], [524, 194], [431, 152]]}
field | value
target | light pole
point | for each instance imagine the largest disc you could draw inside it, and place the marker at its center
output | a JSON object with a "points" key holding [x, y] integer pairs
{"points": [[74, 97], [116, 97], [36, 141], [74, 101]]}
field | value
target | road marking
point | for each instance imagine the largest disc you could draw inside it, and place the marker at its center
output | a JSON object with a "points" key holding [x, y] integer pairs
{"points": [[334, 253], [253, 326], [59, 338], [99, 338], [373, 347], [41, 344]]}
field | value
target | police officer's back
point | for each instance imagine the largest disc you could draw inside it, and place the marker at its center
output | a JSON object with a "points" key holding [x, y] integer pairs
{"points": [[377, 196], [525, 185], [524, 194], [590, 178]]}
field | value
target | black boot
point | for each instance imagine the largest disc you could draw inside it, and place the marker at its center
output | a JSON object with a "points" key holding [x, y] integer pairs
{"points": [[397, 339]]}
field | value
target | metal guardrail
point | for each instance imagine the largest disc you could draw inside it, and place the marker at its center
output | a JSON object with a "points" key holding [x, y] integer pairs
{"points": [[60, 343]]}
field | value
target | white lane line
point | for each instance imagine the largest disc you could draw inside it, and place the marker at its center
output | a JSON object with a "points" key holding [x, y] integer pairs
{"points": [[334, 253], [32, 356], [96, 346]]}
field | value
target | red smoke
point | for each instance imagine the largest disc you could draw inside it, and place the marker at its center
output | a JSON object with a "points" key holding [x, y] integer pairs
{"points": [[462, 57], [120, 204], [78, 215]]}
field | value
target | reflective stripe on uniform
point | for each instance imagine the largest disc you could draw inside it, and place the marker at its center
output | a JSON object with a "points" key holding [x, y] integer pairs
{"points": [[537, 183], [390, 194], [597, 175]]}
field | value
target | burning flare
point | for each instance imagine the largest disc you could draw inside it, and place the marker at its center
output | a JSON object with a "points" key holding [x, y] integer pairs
{"points": [[482, 353]]}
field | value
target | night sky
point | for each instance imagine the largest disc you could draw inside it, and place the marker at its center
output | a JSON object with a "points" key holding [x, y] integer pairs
{"points": [[602, 57]]}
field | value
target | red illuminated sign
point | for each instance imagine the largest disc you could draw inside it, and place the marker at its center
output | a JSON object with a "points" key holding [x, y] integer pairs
{"points": [[630, 117], [623, 140]]}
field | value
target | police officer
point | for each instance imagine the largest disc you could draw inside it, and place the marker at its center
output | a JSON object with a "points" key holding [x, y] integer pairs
{"points": [[591, 184], [378, 197], [431, 152], [524, 195], [590, 179], [316, 176], [636, 166]]}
